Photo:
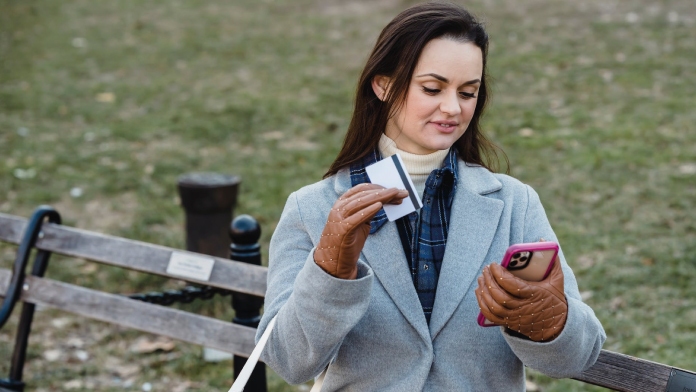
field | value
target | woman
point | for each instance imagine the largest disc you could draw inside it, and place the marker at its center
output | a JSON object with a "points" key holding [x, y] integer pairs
{"points": [[392, 306]]}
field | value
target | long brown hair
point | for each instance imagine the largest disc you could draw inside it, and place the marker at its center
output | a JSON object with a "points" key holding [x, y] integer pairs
{"points": [[396, 55]]}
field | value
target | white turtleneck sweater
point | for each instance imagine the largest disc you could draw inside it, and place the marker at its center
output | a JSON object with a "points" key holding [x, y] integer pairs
{"points": [[418, 167]]}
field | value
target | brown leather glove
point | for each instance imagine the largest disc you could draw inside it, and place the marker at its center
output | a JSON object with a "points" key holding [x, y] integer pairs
{"points": [[348, 225], [537, 310]]}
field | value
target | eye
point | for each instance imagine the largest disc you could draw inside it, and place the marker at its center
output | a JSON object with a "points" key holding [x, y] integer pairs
{"points": [[466, 95], [431, 91]]}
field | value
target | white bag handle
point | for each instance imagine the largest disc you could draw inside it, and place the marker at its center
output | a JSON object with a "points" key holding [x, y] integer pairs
{"points": [[243, 378]]}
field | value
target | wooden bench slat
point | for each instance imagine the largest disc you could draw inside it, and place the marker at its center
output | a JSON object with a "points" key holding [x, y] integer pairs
{"points": [[226, 274], [116, 309], [11, 228], [625, 373]]}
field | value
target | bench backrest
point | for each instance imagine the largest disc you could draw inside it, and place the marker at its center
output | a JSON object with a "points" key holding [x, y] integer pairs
{"points": [[117, 309]]}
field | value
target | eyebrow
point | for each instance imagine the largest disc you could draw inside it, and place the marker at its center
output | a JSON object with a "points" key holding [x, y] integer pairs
{"points": [[445, 80]]}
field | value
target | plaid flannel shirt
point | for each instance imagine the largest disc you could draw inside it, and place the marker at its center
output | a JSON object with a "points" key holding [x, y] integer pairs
{"points": [[427, 230]]}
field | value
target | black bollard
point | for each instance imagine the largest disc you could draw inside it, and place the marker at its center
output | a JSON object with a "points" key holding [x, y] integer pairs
{"points": [[208, 200], [245, 233]]}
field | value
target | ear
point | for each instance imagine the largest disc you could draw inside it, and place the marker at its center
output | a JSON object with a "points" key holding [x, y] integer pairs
{"points": [[380, 85]]}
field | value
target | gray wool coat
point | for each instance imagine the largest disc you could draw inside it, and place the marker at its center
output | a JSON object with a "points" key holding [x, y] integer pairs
{"points": [[372, 332]]}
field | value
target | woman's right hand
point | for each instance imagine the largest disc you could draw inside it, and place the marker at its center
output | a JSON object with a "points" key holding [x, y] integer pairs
{"points": [[348, 226]]}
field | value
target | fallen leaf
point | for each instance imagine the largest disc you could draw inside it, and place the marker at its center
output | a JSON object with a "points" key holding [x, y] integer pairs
{"points": [[273, 135], [606, 75], [631, 250], [24, 174], [73, 384], [81, 355], [105, 97], [125, 371], [632, 17], [79, 42], [146, 345], [585, 295], [585, 261], [299, 145], [182, 387], [52, 355], [61, 322], [76, 192], [75, 342], [616, 303], [526, 132], [531, 386], [89, 268], [689, 168]]}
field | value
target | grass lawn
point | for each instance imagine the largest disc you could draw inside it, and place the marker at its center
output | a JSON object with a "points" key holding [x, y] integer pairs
{"points": [[104, 104]]}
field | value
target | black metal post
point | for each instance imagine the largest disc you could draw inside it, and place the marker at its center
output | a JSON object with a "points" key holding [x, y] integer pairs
{"points": [[31, 234], [25, 320], [208, 200], [245, 233]]}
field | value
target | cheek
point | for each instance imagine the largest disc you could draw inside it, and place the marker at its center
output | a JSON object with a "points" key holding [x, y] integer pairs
{"points": [[423, 106], [468, 108]]}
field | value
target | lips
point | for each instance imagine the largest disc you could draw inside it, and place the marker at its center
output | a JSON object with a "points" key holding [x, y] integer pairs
{"points": [[445, 126]]}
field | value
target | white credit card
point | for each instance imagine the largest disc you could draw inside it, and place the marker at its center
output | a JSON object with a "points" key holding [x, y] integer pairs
{"points": [[390, 173]]}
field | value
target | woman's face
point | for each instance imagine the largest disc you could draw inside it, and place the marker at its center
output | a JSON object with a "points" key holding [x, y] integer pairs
{"points": [[441, 97]]}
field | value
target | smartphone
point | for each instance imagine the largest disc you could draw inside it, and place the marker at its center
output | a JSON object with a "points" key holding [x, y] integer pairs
{"points": [[532, 262]]}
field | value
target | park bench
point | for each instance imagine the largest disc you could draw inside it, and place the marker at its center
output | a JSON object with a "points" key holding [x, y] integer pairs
{"points": [[247, 281], [612, 370]]}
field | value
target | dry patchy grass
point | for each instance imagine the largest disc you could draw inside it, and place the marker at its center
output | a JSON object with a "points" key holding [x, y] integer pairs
{"points": [[593, 102]]}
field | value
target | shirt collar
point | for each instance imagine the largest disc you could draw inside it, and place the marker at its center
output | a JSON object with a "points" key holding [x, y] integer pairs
{"points": [[450, 164]]}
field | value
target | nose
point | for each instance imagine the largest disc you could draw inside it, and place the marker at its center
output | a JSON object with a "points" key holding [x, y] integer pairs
{"points": [[450, 104]]}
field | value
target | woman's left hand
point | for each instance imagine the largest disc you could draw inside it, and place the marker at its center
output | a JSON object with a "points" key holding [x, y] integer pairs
{"points": [[537, 310]]}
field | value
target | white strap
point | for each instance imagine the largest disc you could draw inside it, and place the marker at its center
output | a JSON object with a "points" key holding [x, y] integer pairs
{"points": [[319, 381], [243, 378], [240, 382]]}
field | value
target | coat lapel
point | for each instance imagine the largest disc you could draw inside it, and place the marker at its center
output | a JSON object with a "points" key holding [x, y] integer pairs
{"points": [[384, 253], [473, 224]]}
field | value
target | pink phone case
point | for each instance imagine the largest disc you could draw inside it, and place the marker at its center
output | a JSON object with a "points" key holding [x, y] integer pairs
{"points": [[532, 261]]}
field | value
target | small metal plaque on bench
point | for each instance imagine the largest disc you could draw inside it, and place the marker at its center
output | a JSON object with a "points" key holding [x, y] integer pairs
{"points": [[681, 381], [190, 266]]}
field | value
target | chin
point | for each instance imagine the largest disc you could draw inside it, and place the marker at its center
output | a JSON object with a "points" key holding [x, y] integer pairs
{"points": [[442, 144]]}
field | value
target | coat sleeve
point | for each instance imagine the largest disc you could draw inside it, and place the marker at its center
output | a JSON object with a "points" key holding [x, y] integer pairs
{"points": [[315, 311], [578, 346]]}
